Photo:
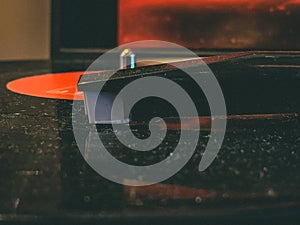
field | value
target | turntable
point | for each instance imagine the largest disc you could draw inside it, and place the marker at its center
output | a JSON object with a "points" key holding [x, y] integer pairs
{"points": [[252, 50]]}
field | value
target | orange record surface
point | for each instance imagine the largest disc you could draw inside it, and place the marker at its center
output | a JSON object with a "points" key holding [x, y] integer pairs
{"points": [[57, 86]]}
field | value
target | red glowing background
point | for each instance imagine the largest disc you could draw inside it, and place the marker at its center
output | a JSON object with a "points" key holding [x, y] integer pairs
{"points": [[259, 24]]}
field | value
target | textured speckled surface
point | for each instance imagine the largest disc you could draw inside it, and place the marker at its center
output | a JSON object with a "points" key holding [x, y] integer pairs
{"points": [[44, 178]]}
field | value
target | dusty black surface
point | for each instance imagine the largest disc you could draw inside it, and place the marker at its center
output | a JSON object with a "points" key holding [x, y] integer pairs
{"points": [[44, 178]]}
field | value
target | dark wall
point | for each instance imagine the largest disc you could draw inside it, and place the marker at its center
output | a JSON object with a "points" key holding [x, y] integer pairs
{"points": [[81, 31]]}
